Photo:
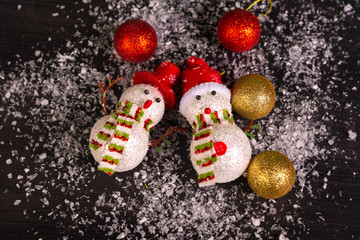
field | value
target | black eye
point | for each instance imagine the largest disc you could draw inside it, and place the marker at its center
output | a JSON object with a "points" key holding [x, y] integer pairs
{"points": [[146, 91], [213, 92], [198, 97], [158, 100]]}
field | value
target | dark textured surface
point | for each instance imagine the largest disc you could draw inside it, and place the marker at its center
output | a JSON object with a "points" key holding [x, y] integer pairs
{"points": [[338, 205]]}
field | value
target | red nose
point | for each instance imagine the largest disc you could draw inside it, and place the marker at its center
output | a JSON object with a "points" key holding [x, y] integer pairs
{"points": [[207, 110], [147, 104]]}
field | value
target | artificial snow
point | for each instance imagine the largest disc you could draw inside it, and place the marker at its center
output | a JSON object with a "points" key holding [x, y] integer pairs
{"points": [[160, 198], [348, 8], [352, 135]]}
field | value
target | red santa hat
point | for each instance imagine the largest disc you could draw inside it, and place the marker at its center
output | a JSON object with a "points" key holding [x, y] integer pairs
{"points": [[163, 79], [199, 78]]}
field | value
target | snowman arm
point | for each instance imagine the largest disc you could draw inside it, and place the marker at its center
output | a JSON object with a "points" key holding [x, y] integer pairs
{"points": [[170, 131], [104, 91], [248, 127]]}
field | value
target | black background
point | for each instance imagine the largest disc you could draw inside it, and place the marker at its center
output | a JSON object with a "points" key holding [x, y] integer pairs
{"points": [[29, 29]]}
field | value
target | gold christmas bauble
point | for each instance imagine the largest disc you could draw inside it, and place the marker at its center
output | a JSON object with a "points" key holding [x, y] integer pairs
{"points": [[271, 174], [253, 96]]}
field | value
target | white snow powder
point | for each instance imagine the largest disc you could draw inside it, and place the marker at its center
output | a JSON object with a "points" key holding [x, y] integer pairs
{"points": [[352, 135], [348, 7], [44, 102], [255, 221], [172, 205]]}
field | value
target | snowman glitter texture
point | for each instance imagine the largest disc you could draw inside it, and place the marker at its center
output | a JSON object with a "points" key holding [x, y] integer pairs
{"points": [[220, 151], [120, 141]]}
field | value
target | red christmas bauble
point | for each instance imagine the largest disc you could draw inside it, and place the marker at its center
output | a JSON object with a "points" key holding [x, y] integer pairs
{"points": [[238, 30], [135, 41]]}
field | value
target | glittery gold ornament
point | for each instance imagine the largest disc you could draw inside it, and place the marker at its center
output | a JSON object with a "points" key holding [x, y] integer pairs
{"points": [[253, 96], [271, 174]]}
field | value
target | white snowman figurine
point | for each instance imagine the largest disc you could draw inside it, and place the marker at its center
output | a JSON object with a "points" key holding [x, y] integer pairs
{"points": [[220, 151], [120, 141]]}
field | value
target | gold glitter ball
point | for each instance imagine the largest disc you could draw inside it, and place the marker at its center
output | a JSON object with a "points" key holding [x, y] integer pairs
{"points": [[271, 174], [253, 96]]}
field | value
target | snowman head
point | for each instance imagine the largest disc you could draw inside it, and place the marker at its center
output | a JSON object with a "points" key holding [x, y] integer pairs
{"points": [[203, 91], [153, 91], [163, 79], [205, 99], [148, 98]]}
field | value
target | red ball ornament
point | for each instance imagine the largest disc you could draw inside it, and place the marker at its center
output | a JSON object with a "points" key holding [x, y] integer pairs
{"points": [[238, 30], [135, 41]]}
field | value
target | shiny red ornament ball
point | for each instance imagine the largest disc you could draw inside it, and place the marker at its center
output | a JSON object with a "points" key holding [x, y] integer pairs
{"points": [[238, 30], [135, 41]]}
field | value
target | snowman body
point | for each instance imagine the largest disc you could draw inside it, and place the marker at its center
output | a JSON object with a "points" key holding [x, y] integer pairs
{"points": [[220, 151], [120, 141]]}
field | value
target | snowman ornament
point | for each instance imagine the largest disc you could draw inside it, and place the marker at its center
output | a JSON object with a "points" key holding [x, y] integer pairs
{"points": [[120, 141], [220, 151]]}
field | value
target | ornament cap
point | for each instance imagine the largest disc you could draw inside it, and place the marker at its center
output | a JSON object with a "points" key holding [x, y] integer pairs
{"points": [[164, 79]]}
